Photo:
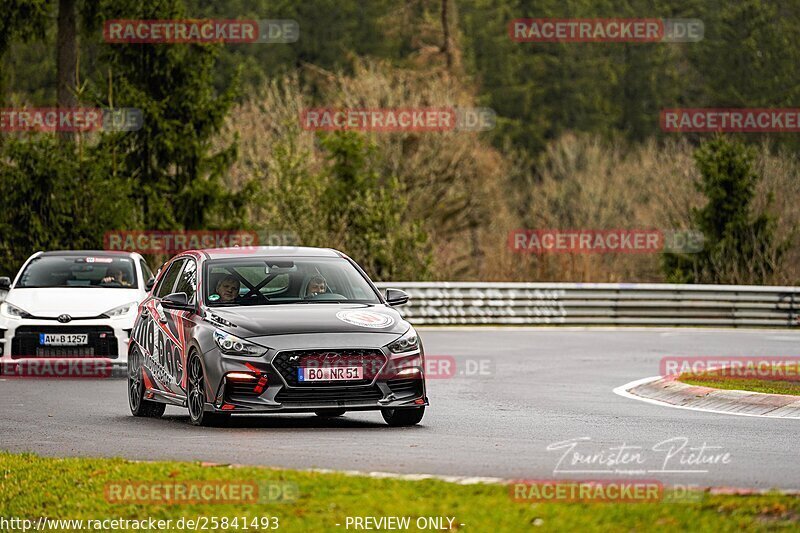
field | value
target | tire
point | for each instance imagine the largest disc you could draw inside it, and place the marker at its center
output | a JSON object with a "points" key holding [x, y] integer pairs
{"points": [[330, 413], [403, 417], [196, 397], [139, 406]]}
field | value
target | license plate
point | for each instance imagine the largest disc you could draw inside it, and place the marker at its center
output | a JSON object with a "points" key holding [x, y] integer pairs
{"points": [[330, 373], [63, 339]]}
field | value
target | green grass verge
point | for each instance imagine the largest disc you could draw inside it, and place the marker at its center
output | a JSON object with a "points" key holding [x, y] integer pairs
{"points": [[714, 379], [33, 486]]}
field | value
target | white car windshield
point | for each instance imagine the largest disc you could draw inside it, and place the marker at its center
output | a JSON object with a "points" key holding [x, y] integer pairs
{"points": [[48, 271]]}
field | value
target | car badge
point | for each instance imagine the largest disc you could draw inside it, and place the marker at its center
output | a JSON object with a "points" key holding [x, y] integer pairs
{"points": [[64, 318], [365, 319]]}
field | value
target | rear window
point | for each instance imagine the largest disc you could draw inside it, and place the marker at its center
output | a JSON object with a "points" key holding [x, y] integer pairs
{"points": [[109, 272]]}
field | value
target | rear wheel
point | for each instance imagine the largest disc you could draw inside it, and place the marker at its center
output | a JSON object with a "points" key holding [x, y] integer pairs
{"points": [[139, 406], [403, 417], [196, 397], [330, 413]]}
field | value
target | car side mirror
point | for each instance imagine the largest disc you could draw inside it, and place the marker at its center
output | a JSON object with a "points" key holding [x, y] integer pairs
{"points": [[150, 284], [178, 301], [5, 283], [396, 297]]}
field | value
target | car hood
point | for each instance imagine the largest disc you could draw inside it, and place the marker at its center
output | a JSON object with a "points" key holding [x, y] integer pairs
{"points": [[290, 319], [75, 301]]}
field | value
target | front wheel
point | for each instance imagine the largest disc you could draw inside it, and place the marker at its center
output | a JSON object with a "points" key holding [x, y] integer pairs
{"points": [[196, 397], [139, 406], [403, 417]]}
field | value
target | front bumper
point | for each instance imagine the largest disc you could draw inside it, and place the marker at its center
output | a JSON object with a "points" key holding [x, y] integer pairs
{"points": [[20, 347], [272, 389]]}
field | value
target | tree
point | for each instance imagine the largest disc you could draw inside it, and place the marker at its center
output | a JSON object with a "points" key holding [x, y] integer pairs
{"points": [[740, 245], [21, 19], [368, 215], [54, 198], [67, 54], [177, 176]]}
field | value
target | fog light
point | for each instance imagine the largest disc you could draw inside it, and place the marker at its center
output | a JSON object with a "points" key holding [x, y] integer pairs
{"points": [[241, 376], [409, 372]]}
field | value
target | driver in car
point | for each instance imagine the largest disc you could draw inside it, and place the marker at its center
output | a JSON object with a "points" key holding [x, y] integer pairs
{"points": [[228, 288], [316, 286], [115, 276]]}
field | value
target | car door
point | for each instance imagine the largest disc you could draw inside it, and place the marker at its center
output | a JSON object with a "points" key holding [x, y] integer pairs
{"points": [[154, 336], [181, 323]]}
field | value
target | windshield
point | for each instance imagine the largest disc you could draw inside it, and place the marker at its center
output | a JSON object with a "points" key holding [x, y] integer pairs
{"points": [[264, 281], [49, 271]]}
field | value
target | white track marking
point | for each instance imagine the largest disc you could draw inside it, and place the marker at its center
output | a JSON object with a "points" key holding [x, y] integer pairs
{"points": [[623, 391]]}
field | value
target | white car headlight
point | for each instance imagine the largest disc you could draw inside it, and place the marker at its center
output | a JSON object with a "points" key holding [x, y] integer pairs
{"points": [[233, 345], [121, 310], [406, 344], [12, 311]]}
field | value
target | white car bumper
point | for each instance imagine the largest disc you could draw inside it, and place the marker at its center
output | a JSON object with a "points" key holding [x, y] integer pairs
{"points": [[108, 339]]}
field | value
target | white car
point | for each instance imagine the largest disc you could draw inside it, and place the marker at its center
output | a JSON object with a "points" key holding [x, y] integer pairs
{"points": [[72, 305]]}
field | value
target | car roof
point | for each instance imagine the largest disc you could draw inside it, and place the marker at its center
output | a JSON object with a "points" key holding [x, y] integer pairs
{"points": [[273, 251]]}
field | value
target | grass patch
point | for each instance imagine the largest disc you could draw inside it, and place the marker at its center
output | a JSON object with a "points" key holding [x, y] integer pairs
{"points": [[32, 486], [719, 380]]}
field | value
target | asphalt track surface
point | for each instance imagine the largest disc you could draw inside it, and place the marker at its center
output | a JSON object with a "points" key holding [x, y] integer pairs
{"points": [[544, 386]]}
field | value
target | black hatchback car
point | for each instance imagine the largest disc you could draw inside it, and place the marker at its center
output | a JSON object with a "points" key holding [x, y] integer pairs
{"points": [[267, 330]]}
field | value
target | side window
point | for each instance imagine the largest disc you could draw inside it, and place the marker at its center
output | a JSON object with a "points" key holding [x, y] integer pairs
{"points": [[146, 272], [187, 282], [168, 280]]}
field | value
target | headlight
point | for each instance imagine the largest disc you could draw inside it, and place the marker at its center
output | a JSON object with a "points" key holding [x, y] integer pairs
{"points": [[121, 310], [13, 311], [233, 345], [407, 343]]}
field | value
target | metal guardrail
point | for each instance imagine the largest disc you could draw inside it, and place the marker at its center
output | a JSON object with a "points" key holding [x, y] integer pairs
{"points": [[611, 304], [599, 304]]}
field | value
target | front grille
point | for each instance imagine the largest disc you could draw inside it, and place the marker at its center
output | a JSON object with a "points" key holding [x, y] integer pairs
{"points": [[288, 362], [328, 395], [405, 386], [101, 342]]}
